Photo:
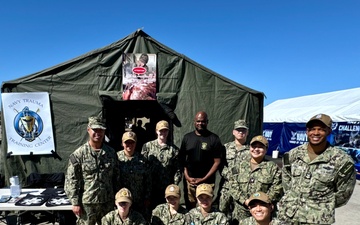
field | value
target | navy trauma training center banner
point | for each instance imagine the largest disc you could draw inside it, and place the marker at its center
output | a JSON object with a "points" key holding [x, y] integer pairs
{"points": [[285, 136]]}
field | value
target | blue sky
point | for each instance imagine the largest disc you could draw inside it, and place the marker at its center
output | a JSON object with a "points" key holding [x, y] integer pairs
{"points": [[284, 48]]}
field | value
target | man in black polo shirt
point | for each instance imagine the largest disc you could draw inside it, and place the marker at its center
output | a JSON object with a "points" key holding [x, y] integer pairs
{"points": [[199, 154]]}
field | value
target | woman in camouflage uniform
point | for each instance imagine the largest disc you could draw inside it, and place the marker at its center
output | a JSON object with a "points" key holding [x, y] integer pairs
{"points": [[135, 174], [123, 214], [170, 212], [261, 209], [255, 174], [162, 156], [204, 213]]}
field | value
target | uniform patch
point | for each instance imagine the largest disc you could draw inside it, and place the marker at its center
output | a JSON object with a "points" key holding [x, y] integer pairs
{"points": [[346, 168], [73, 160]]}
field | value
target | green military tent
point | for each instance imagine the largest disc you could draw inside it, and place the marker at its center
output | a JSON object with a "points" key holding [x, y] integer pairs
{"points": [[91, 84]]}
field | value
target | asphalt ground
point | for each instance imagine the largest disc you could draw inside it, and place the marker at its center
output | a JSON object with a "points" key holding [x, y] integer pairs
{"points": [[349, 214]]}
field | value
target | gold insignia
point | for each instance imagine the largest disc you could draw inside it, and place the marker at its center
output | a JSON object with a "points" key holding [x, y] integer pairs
{"points": [[125, 193], [204, 146]]}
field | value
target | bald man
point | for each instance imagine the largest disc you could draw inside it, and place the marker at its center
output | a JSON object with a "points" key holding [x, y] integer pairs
{"points": [[199, 154]]}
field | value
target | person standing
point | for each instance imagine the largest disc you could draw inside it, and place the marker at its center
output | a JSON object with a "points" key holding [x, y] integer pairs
{"points": [[135, 174], [123, 214], [200, 156], [261, 209], [317, 177], [164, 163], [236, 151], [204, 213], [92, 176], [170, 212], [254, 174]]}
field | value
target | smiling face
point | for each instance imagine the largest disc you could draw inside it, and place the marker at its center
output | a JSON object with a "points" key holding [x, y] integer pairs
{"points": [[257, 151], [96, 135], [173, 201], [317, 133], [201, 122], [129, 147], [162, 134], [204, 201], [261, 211]]}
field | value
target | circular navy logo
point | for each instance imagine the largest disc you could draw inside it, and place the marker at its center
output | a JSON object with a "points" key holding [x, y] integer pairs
{"points": [[28, 124]]}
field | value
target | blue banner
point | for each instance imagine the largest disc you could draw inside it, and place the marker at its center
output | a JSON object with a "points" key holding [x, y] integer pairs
{"points": [[285, 136]]}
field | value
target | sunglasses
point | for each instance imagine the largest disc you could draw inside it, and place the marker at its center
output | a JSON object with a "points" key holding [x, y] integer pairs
{"points": [[123, 203]]}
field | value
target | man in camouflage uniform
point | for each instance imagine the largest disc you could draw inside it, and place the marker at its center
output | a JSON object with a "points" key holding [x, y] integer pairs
{"points": [[261, 209], [135, 174], [317, 177], [164, 164], [236, 151], [254, 174], [92, 176], [204, 213], [171, 212], [123, 214]]}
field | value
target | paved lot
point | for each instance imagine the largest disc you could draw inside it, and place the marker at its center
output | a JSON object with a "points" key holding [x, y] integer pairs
{"points": [[350, 213], [346, 215]]}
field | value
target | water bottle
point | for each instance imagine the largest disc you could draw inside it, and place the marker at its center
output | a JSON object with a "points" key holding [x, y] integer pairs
{"points": [[15, 189]]}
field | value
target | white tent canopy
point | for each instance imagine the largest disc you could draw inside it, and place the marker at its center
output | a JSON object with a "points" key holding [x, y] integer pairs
{"points": [[341, 106]]}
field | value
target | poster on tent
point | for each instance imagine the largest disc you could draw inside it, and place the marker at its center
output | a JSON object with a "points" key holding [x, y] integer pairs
{"points": [[139, 76], [28, 123]]}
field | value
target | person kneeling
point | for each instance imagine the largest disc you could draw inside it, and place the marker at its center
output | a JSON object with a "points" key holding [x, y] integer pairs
{"points": [[204, 213], [123, 214], [261, 209]]}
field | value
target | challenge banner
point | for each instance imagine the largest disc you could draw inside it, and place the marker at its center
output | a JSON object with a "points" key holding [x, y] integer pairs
{"points": [[28, 123]]}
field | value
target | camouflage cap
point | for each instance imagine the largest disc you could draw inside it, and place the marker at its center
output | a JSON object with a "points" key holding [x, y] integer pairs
{"points": [[325, 119], [96, 123], [172, 190], [240, 124], [259, 196], [129, 136], [162, 125], [260, 139], [204, 189], [123, 195]]}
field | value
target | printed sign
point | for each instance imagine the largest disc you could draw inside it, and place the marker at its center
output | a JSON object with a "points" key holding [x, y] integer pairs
{"points": [[139, 76], [28, 123]]}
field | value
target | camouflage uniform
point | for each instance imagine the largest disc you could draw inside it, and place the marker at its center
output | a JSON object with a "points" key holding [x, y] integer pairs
{"points": [[161, 215], [164, 167], [113, 218], [90, 181], [135, 175], [313, 189], [194, 217], [233, 157], [266, 178], [252, 221]]}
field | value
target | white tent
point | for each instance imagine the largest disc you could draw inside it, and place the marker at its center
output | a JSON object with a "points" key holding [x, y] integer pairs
{"points": [[284, 120], [341, 106]]}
